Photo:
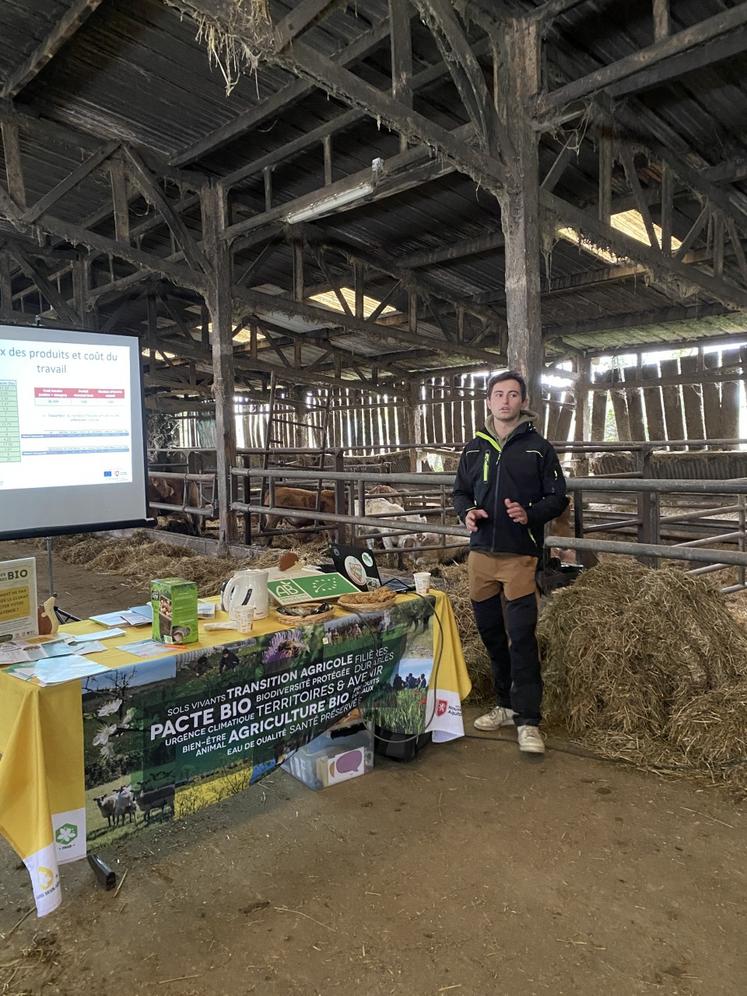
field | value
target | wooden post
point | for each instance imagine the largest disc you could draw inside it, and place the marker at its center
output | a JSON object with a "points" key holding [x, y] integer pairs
{"points": [[81, 285], [298, 280], [454, 425], [520, 205], [13, 165], [6, 287], [653, 403], [267, 177], [218, 300], [359, 281], [672, 402], [635, 405], [712, 399], [401, 45], [413, 424], [605, 173], [693, 401], [667, 207], [620, 406], [599, 411], [553, 414], [565, 414], [730, 399], [662, 24], [327, 153], [581, 428], [119, 200]]}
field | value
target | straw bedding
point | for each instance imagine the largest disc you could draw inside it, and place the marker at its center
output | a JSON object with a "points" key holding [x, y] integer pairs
{"points": [[143, 556]]}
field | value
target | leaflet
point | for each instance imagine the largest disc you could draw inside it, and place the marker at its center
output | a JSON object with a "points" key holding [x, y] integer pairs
{"points": [[105, 634], [57, 670]]}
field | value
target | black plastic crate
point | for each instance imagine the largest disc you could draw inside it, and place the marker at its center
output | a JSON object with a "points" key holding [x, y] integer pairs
{"points": [[399, 746]]}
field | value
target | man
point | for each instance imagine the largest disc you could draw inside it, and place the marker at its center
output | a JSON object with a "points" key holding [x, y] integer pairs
{"points": [[508, 485]]}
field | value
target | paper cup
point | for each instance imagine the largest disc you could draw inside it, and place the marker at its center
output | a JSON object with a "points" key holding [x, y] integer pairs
{"points": [[422, 582], [243, 616]]}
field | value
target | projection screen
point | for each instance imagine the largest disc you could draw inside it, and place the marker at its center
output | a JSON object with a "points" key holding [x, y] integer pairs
{"points": [[72, 444]]}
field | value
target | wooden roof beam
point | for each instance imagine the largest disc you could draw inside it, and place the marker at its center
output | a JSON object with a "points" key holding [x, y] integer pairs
{"points": [[277, 103], [484, 168], [641, 126], [278, 305], [354, 250], [640, 319], [654, 56], [452, 252], [246, 364], [553, 8], [74, 17], [665, 269], [34, 271], [402, 172], [466, 75], [339, 123], [72, 180], [298, 20]]}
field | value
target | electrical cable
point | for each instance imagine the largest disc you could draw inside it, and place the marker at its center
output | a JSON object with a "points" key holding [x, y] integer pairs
{"points": [[437, 657]]}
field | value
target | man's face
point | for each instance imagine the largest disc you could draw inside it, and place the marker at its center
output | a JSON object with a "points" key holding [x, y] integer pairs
{"points": [[504, 403]]}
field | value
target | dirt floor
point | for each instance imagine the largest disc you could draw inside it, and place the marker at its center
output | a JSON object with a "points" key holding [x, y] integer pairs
{"points": [[469, 871]]}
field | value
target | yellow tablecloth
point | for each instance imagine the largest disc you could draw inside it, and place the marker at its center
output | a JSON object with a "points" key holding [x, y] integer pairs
{"points": [[42, 801]]}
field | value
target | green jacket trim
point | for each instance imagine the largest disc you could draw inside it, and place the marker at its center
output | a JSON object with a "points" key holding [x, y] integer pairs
{"points": [[489, 439]]}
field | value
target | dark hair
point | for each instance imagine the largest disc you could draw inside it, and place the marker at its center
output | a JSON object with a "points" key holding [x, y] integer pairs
{"points": [[507, 375]]}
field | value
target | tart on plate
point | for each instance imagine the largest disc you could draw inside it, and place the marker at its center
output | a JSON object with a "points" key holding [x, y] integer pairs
{"points": [[305, 613], [368, 601]]}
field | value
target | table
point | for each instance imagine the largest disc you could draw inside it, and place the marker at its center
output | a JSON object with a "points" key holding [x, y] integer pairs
{"points": [[191, 726]]}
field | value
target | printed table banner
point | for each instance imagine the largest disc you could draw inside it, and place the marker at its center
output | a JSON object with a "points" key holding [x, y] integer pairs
{"points": [[167, 735], [164, 738]]}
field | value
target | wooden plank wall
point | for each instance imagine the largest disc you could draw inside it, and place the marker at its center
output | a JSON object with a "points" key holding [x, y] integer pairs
{"points": [[654, 406], [642, 400]]}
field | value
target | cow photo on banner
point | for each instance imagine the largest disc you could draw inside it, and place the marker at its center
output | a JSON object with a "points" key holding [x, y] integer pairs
{"points": [[165, 738]]}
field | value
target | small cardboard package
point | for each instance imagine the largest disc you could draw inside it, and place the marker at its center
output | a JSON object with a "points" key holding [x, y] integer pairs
{"points": [[174, 602]]}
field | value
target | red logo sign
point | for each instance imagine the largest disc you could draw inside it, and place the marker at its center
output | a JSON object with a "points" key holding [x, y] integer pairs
{"points": [[441, 706]]}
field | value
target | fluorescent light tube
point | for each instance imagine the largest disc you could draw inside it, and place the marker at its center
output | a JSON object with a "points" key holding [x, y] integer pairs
{"points": [[327, 204]]}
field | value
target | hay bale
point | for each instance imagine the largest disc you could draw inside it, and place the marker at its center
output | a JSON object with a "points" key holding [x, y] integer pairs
{"points": [[626, 644], [648, 666], [711, 728]]}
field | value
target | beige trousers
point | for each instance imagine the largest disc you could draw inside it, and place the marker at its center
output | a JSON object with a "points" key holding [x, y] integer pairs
{"points": [[506, 573]]}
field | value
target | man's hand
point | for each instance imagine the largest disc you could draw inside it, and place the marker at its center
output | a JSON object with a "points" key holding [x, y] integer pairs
{"points": [[472, 518], [516, 512]]}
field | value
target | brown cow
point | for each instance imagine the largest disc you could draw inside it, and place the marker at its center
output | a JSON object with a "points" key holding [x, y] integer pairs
{"points": [[299, 498], [564, 526], [385, 491], [177, 492]]}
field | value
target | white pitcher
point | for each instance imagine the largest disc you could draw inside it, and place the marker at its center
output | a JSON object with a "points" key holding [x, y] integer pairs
{"points": [[248, 587]]}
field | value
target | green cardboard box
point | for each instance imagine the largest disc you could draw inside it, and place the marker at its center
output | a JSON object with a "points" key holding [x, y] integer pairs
{"points": [[174, 602]]}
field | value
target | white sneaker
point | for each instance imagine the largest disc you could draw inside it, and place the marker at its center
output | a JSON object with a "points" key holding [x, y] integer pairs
{"points": [[495, 719], [530, 740]]}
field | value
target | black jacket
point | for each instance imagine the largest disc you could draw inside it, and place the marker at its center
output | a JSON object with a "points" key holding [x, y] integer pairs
{"points": [[526, 469]]}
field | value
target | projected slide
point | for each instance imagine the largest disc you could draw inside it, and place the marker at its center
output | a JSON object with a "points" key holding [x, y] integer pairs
{"points": [[65, 414]]}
